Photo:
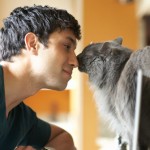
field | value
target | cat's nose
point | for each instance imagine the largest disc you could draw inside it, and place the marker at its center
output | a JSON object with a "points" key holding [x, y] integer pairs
{"points": [[79, 59], [80, 62]]}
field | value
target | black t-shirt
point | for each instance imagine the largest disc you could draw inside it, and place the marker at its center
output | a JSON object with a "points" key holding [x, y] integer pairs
{"points": [[21, 127]]}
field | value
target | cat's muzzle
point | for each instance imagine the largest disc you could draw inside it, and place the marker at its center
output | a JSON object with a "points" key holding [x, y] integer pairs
{"points": [[82, 66]]}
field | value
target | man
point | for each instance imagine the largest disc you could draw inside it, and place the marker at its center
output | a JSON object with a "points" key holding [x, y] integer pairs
{"points": [[36, 51]]}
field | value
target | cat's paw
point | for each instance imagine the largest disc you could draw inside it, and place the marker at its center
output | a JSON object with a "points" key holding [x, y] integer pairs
{"points": [[122, 146]]}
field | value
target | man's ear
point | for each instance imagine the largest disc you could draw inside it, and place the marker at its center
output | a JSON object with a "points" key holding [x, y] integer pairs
{"points": [[31, 42]]}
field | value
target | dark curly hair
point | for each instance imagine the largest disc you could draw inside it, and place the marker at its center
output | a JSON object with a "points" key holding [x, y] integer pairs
{"points": [[41, 20]]}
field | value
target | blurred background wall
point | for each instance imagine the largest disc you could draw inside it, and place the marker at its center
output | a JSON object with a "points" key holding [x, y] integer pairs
{"points": [[74, 109]]}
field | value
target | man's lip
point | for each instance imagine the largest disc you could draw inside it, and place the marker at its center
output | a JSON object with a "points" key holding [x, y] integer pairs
{"points": [[68, 72]]}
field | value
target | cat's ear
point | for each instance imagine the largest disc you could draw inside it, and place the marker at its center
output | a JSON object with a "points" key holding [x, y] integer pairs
{"points": [[106, 45], [118, 40]]}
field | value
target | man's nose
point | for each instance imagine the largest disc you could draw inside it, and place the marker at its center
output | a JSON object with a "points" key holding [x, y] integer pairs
{"points": [[73, 60]]}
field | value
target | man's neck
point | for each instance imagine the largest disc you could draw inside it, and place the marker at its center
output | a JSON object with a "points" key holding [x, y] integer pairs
{"points": [[17, 84]]}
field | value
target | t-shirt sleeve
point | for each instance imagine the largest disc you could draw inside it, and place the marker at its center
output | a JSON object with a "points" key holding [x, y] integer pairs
{"points": [[38, 135]]}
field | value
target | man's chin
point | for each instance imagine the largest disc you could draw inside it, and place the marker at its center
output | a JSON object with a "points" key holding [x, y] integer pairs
{"points": [[61, 87], [58, 86]]}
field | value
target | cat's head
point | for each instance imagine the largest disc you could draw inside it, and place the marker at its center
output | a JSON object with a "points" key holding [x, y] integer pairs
{"points": [[102, 60]]}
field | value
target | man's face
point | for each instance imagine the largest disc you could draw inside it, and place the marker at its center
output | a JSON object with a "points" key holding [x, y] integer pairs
{"points": [[56, 62]]}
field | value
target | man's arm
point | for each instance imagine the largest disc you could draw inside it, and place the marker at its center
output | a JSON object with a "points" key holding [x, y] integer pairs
{"points": [[60, 139]]}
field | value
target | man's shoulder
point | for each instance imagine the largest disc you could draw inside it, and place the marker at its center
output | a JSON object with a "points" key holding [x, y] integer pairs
{"points": [[24, 111]]}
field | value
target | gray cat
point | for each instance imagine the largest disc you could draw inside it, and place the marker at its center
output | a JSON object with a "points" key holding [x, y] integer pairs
{"points": [[112, 71]]}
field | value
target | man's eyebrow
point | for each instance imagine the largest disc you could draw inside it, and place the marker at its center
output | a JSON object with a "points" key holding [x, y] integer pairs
{"points": [[72, 40]]}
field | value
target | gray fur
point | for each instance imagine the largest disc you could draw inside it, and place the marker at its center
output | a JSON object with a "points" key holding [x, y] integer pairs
{"points": [[112, 71]]}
